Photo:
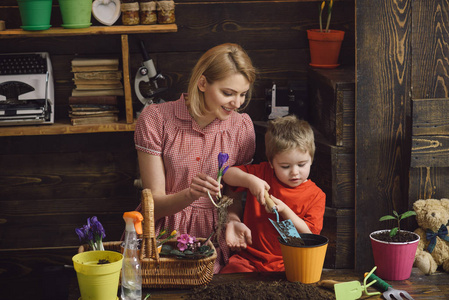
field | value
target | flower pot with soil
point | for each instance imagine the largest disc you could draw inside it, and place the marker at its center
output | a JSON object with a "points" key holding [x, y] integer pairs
{"points": [[98, 274], [325, 44], [304, 260], [394, 250]]}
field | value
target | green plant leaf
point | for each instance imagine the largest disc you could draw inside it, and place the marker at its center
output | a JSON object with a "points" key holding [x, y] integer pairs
{"points": [[387, 217], [177, 253], [393, 231], [408, 214], [395, 213]]}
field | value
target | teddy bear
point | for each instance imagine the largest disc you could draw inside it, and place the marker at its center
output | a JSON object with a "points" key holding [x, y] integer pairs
{"points": [[432, 216]]}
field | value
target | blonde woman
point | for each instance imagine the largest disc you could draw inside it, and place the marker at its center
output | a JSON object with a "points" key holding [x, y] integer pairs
{"points": [[178, 143]]}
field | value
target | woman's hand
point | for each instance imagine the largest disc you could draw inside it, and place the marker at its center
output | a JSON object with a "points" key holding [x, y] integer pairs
{"points": [[201, 184], [238, 235]]}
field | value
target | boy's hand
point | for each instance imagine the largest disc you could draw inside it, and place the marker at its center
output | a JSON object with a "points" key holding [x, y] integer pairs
{"points": [[238, 235], [257, 188], [280, 205]]}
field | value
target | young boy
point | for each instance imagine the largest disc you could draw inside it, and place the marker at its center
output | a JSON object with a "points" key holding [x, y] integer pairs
{"points": [[290, 148]]}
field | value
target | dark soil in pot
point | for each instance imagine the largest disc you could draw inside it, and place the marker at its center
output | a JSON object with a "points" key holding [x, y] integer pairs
{"points": [[401, 237], [261, 290]]}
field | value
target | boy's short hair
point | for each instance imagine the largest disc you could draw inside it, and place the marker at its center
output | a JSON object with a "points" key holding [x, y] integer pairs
{"points": [[287, 133]]}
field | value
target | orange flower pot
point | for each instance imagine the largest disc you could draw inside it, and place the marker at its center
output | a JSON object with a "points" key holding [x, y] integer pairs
{"points": [[325, 47], [304, 263]]}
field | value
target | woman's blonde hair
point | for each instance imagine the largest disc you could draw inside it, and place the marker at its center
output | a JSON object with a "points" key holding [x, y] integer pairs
{"points": [[287, 133], [216, 64]]}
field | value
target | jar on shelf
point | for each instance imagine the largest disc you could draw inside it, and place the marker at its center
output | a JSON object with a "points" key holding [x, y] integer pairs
{"points": [[130, 13], [148, 13], [165, 12]]}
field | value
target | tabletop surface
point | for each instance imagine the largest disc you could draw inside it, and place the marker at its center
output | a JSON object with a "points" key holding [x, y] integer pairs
{"points": [[419, 286]]}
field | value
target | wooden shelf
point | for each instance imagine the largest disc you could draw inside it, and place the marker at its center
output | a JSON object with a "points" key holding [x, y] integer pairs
{"points": [[65, 128], [93, 30]]}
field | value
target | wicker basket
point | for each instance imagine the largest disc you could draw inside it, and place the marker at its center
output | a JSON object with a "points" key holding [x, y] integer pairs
{"points": [[166, 272]]}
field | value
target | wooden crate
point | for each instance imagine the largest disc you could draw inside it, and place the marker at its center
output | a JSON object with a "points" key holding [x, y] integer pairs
{"points": [[338, 227], [333, 171], [332, 104]]}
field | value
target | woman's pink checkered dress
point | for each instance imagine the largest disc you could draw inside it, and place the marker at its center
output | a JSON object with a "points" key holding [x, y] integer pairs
{"points": [[169, 131]]}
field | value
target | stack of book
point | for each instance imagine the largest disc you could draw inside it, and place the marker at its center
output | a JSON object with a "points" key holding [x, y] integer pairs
{"points": [[93, 109], [97, 77], [98, 85]]}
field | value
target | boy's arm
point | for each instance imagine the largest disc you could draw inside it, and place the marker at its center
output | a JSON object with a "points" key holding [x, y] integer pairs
{"points": [[237, 177]]}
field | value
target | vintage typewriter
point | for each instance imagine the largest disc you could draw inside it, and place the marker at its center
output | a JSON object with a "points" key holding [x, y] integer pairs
{"points": [[26, 89]]}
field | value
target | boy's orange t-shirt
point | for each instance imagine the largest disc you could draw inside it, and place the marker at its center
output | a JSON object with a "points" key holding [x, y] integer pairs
{"points": [[307, 200]]}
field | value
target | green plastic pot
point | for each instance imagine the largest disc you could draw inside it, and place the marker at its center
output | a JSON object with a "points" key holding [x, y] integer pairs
{"points": [[76, 13], [35, 14]]}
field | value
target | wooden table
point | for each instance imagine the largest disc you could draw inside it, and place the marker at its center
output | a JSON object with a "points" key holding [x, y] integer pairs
{"points": [[419, 286]]}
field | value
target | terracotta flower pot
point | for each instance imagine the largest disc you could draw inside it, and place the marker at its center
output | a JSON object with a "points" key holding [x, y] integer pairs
{"points": [[325, 47], [394, 260]]}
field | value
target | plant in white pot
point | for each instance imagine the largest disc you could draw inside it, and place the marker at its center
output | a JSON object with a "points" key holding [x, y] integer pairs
{"points": [[394, 249]]}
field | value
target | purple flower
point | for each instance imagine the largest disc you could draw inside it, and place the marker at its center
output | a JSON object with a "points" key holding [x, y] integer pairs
{"points": [[185, 241], [224, 171], [92, 233], [81, 234], [97, 228], [182, 247], [222, 159]]}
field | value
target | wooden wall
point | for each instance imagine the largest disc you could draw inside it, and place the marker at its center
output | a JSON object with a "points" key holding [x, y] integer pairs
{"points": [[402, 104], [50, 184]]}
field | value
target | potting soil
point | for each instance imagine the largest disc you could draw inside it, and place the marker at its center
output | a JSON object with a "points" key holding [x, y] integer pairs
{"points": [[261, 290]]}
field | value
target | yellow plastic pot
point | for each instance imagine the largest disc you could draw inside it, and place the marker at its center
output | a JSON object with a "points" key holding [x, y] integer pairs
{"points": [[304, 263], [98, 281]]}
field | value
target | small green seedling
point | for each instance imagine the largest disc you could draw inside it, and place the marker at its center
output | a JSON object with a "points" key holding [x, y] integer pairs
{"points": [[397, 217]]}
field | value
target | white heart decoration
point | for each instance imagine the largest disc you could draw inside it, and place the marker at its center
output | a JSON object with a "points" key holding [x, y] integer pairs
{"points": [[106, 12]]}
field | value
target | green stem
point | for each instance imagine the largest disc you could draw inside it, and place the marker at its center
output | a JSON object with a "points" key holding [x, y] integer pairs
{"points": [[328, 21], [321, 21]]}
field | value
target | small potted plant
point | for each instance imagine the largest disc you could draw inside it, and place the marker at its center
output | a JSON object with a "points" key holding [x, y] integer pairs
{"points": [[394, 249], [98, 271], [324, 43], [187, 247]]}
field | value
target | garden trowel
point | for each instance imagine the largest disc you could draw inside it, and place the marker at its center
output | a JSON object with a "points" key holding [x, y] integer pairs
{"points": [[344, 290], [286, 229], [349, 290]]}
